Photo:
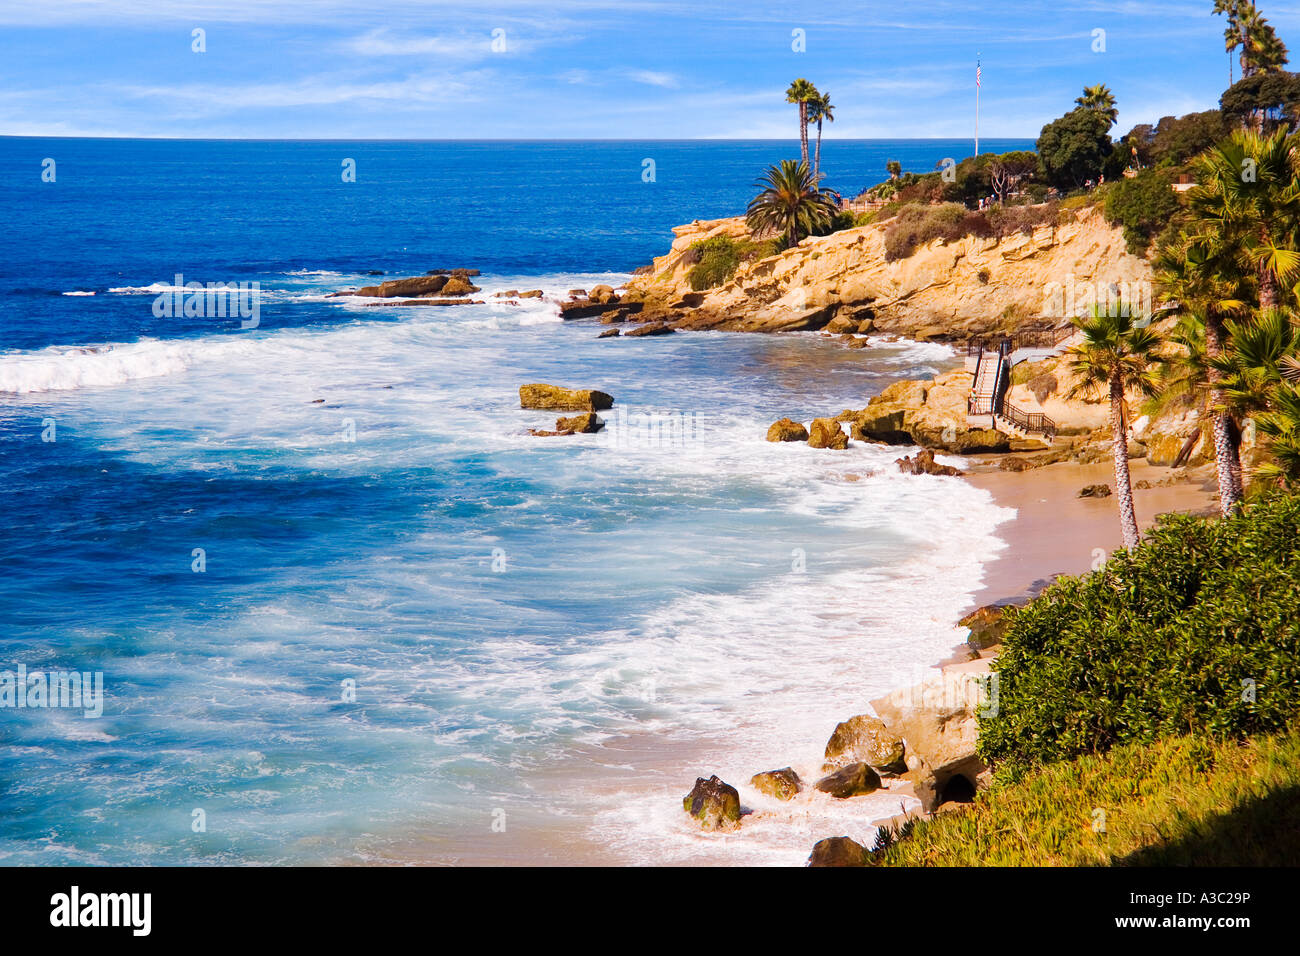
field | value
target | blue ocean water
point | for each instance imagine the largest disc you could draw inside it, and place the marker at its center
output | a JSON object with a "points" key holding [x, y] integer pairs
{"points": [[344, 607]]}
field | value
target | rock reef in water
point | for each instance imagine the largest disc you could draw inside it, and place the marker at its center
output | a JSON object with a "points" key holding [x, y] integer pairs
{"points": [[557, 398]]}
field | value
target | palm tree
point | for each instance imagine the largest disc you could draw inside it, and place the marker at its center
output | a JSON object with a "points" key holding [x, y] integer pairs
{"points": [[1203, 277], [1099, 99], [818, 110], [1248, 197], [1247, 30], [895, 168], [1259, 376], [801, 92], [791, 203], [1115, 356]]}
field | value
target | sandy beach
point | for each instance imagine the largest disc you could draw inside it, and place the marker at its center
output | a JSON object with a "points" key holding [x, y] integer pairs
{"points": [[1056, 532]]}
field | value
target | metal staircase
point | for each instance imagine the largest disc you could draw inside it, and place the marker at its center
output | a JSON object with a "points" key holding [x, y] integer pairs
{"points": [[987, 406]]}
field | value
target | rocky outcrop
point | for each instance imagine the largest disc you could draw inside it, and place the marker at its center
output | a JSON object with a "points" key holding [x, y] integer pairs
{"points": [[784, 784], [924, 464], [865, 739], [440, 281], [1095, 491], [584, 424], [652, 328], [714, 804], [838, 851], [559, 399], [851, 781], [987, 625], [945, 290], [826, 433], [787, 429], [608, 334], [938, 721]]}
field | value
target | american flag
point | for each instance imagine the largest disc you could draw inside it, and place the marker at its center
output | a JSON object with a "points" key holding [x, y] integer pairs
{"points": [[979, 73]]}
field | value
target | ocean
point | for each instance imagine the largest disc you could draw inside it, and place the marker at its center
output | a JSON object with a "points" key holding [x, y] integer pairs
{"points": [[345, 609]]}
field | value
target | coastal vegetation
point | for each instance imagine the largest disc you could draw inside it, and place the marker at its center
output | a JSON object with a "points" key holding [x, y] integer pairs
{"points": [[791, 204], [713, 261], [1180, 801], [1192, 632], [1115, 357]]}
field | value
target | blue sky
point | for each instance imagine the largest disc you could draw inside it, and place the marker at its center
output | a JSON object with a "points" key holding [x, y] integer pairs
{"points": [[616, 69]]}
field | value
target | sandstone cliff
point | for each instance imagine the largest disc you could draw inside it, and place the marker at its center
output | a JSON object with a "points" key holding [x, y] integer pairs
{"points": [[945, 290]]}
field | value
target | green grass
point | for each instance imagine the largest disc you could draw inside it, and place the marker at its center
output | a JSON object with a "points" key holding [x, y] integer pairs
{"points": [[1184, 801]]}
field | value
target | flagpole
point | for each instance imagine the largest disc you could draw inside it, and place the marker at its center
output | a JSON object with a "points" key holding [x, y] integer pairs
{"points": [[977, 105]]}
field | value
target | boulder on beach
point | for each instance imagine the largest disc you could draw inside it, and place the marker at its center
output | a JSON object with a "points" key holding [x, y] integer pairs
{"points": [[865, 739], [612, 317], [857, 344], [601, 294], [841, 324], [850, 781], [608, 334], [714, 804], [838, 851], [924, 464], [556, 398], [784, 784], [987, 625], [787, 429], [826, 433], [585, 424], [1095, 491]]}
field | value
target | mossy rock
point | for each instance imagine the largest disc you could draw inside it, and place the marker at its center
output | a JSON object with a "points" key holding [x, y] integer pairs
{"points": [[714, 804], [865, 739], [784, 784], [987, 625]]}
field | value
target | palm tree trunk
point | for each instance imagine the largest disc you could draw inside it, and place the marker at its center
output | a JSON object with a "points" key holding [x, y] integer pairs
{"points": [[1123, 484], [1227, 461], [1267, 288], [817, 161], [803, 131]]}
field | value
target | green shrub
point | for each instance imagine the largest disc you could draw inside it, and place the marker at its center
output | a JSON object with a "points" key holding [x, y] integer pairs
{"points": [[1182, 801], [1194, 631], [917, 225], [1144, 205], [715, 260], [1009, 220]]}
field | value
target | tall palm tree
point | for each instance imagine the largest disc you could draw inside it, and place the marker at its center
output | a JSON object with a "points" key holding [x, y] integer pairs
{"points": [[1260, 372], [1115, 356], [802, 93], [791, 203], [1248, 197], [895, 168], [1247, 30], [818, 110], [1203, 276], [1101, 100]]}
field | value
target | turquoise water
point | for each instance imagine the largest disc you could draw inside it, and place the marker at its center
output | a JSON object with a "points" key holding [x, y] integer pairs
{"points": [[409, 614]]}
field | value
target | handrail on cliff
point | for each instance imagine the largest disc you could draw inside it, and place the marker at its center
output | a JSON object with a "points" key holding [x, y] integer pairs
{"points": [[1048, 338]]}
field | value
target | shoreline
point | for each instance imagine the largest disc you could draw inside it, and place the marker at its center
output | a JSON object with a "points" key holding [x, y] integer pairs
{"points": [[1055, 532]]}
